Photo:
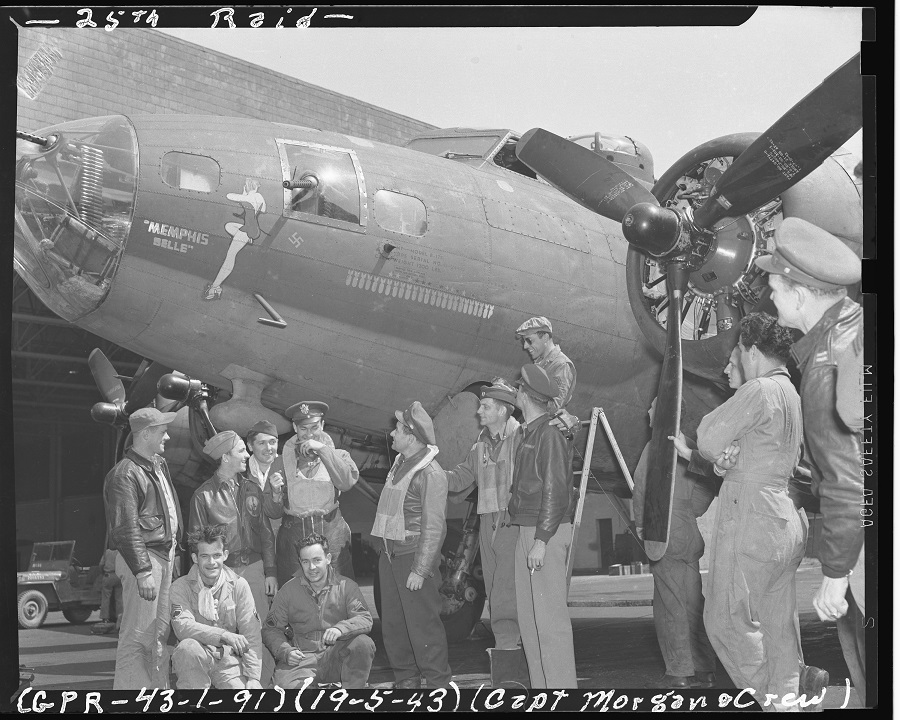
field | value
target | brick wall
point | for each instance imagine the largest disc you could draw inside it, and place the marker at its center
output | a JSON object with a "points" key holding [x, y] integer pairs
{"points": [[145, 71]]}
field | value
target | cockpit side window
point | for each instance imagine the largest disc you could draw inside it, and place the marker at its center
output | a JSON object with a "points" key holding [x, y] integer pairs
{"points": [[326, 184], [400, 213], [187, 171], [506, 157]]}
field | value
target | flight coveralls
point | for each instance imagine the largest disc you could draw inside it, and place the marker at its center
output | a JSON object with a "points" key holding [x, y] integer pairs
{"points": [[489, 465], [677, 591], [310, 504], [562, 370], [201, 659], [111, 594], [308, 613], [413, 506], [542, 505], [830, 358], [249, 539], [759, 537]]}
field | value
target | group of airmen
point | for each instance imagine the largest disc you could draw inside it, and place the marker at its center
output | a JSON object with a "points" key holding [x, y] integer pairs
{"points": [[271, 598]]}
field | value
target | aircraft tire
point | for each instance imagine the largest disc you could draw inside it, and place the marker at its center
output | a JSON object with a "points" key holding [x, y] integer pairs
{"points": [[77, 614], [32, 609], [458, 625]]}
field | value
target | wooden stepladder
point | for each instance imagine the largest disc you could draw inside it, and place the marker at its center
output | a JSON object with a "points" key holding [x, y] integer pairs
{"points": [[596, 414]]}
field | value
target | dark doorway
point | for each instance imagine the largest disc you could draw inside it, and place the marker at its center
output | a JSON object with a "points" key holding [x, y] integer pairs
{"points": [[606, 551]]}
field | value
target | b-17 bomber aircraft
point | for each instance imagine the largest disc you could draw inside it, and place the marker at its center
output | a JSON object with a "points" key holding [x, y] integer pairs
{"points": [[278, 263]]}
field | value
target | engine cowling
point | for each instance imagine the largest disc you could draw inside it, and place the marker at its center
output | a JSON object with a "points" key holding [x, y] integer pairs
{"points": [[728, 285]]}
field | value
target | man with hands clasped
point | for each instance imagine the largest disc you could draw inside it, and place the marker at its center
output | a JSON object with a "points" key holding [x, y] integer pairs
{"points": [[319, 623], [214, 618]]}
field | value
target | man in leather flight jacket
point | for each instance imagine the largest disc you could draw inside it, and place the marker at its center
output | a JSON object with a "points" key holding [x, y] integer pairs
{"points": [[231, 499], [143, 523], [411, 522], [542, 505], [808, 274]]}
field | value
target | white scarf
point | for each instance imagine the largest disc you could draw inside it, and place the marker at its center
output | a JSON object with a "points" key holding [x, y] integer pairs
{"points": [[206, 602], [390, 520]]}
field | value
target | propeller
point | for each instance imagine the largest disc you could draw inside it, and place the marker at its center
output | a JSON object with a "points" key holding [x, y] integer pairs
{"points": [[573, 169], [119, 404], [142, 389], [104, 373], [680, 239]]}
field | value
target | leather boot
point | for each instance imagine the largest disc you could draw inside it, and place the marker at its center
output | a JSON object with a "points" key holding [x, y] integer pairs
{"points": [[413, 683], [704, 680], [509, 668], [673, 682], [812, 681]]}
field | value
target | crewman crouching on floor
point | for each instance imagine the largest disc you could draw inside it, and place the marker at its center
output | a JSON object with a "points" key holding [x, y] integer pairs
{"points": [[214, 618], [410, 519], [319, 623]]}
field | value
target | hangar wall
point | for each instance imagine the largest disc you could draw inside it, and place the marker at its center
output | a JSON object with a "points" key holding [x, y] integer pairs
{"points": [[146, 71]]}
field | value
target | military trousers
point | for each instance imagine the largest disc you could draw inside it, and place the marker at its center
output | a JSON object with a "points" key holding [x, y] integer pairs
{"points": [[198, 666], [411, 626], [678, 598], [142, 655], [254, 574], [751, 611], [498, 562], [851, 628], [347, 662], [111, 603], [541, 600]]}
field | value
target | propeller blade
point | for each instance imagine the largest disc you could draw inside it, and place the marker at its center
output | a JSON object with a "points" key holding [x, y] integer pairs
{"points": [[105, 376], [666, 422], [583, 175], [143, 388], [791, 149]]}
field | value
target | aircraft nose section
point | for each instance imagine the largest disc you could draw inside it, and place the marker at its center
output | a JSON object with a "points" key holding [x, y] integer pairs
{"points": [[75, 195]]}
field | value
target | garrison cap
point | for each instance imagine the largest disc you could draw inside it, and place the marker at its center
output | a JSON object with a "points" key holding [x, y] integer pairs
{"points": [[501, 390], [537, 383], [148, 417], [533, 325], [811, 256], [418, 421], [306, 411], [263, 427], [221, 443]]}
